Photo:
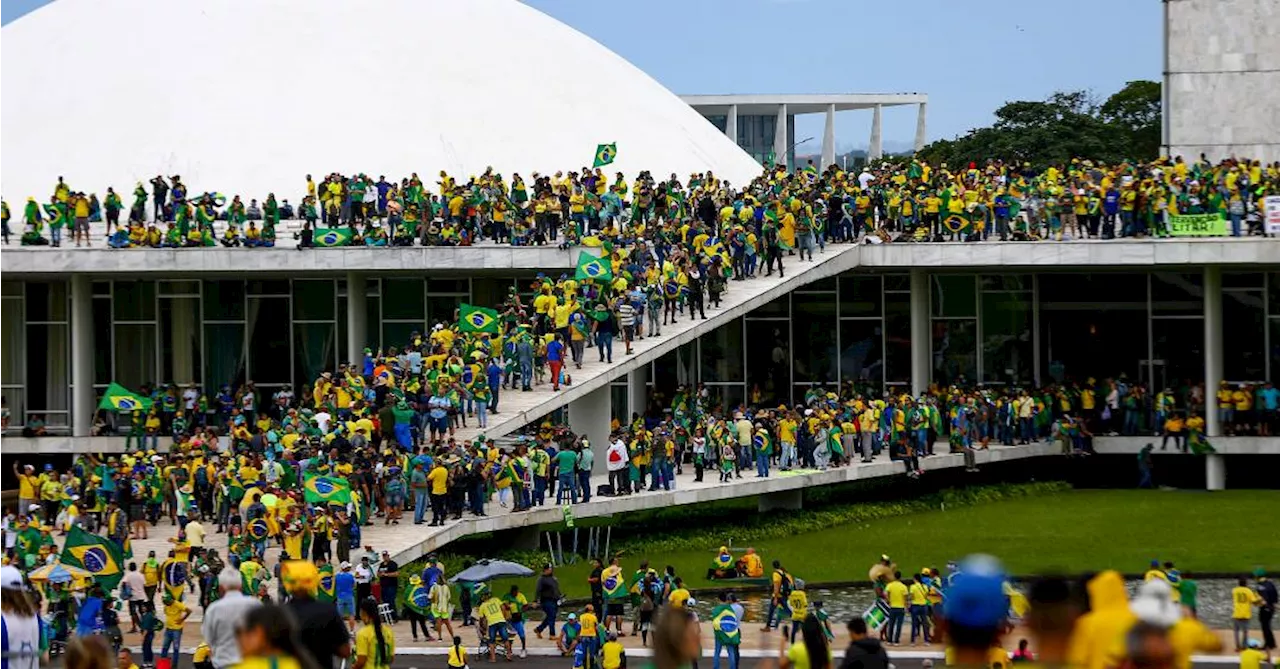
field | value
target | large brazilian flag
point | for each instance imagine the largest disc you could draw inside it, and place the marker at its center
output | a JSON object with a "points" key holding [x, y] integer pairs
{"points": [[328, 237], [477, 319], [591, 267], [97, 555], [118, 398], [326, 490]]}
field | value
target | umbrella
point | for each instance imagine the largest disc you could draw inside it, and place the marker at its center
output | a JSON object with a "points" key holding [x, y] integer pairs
{"points": [[486, 570], [59, 573]]}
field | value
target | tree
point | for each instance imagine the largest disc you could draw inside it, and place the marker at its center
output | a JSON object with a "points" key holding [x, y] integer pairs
{"points": [[1136, 109]]}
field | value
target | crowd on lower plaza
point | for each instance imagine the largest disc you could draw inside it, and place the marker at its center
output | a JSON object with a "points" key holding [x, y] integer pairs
{"points": [[804, 208]]}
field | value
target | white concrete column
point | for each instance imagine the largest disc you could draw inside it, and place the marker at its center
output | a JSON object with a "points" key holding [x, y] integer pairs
{"points": [[82, 395], [920, 125], [357, 313], [731, 124], [1212, 347], [590, 415], [780, 140], [637, 391], [1215, 472], [876, 150], [829, 138], [921, 364]]}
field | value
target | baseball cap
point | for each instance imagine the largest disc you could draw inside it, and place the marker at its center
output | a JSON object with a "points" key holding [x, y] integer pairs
{"points": [[976, 596], [10, 578]]}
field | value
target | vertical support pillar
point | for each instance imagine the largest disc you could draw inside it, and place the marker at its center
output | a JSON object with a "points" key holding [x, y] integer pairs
{"points": [[829, 138], [876, 149], [1212, 347], [357, 313], [590, 415], [1215, 472], [920, 125], [921, 366], [637, 391], [780, 140], [82, 395], [731, 124]]}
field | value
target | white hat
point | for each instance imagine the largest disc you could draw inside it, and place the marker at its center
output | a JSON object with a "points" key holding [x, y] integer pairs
{"points": [[346, 565], [34, 507], [1153, 604], [10, 578]]}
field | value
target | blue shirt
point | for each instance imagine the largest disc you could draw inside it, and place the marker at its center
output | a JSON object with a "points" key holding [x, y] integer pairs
{"points": [[344, 585], [555, 351], [1270, 398], [494, 373], [1111, 202], [439, 406]]}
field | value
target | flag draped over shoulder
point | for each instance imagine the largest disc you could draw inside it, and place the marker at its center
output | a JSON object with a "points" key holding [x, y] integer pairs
{"points": [[118, 398], [328, 237], [591, 267], [326, 490], [605, 153], [97, 555], [477, 319]]}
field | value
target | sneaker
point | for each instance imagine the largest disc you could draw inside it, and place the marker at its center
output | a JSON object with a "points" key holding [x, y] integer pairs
{"points": [[523, 654]]}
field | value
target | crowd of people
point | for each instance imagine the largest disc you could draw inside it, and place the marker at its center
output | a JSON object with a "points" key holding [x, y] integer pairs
{"points": [[807, 208]]}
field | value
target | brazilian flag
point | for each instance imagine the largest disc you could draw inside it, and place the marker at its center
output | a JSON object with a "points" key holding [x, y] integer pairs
{"points": [[605, 153], [174, 574], [613, 586], [477, 319], [418, 599], [591, 267], [726, 625], [119, 398], [763, 442], [329, 237], [957, 222], [326, 489], [258, 530], [97, 555], [325, 592]]}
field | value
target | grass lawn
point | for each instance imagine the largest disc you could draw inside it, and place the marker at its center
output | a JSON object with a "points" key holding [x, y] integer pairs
{"points": [[1072, 532]]}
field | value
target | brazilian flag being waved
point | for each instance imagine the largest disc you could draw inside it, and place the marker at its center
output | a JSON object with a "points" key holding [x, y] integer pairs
{"points": [[477, 319], [591, 267], [329, 237], [958, 222], [97, 555], [326, 490], [119, 398], [418, 598], [605, 153]]}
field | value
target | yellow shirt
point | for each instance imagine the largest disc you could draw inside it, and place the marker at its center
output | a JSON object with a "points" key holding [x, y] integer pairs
{"points": [[896, 593], [367, 646], [588, 622], [1242, 399], [491, 611], [678, 597], [1189, 636], [27, 488], [798, 602], [174, 615], [1252, 658], [457, 656], [919, 594], [439, 480], [1242, 602], [611, 655]]}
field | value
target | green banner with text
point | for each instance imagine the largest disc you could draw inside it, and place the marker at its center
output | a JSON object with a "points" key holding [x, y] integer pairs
{"points": [[1197, 225]]}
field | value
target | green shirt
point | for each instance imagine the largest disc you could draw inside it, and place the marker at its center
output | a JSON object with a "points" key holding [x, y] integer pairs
{"points": [[566, 460], [1187, 589]]}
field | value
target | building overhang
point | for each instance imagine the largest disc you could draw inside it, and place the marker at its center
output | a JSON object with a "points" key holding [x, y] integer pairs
{"points": [[799, 104]]}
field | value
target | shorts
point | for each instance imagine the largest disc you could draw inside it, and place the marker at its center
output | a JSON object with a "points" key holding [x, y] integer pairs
{"points": [[347, 607], [615, 609], [137, 512], [498, 630], [440, 424]]}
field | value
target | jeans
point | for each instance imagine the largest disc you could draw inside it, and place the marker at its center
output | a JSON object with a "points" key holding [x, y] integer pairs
{"points": [[477, 499], [482, 414], [788, 455], [549, 609], [493, 401], [1235, 224], [604, 342], [762, 464], [1239, 631], [419, 505], [539, 490], [896, 616], [174, 638], [731, 650], [55, 234], [567, 488], [148, 647], [584, 482], [775, 608], [919, 622], [526, 373]]}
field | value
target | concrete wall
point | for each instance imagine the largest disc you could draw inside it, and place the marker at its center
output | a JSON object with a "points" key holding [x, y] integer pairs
{"points": [[1222, 78]]}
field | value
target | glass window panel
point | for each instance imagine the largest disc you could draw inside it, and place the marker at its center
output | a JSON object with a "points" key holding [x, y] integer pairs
{"points": [[897, 347], [135, 347], [1127, 291], [618, 403], [489, 291], [342, 329], [135, 300], [675, 369], [403, 298], [722, 353], [14, 402], [460, 286], [397, 334], [373, 323], [102, 341], [860, 296], [46, 301], [275, 287], [814, 329], [862, 353], [12, 288], [224, 355], [1082, 341], [780, 307], [827, 284], [180, 287], [1006, 338], [1243, 334], [1177, 347], [443, 308], [180, 341], [897, 282], [955, 351], [223, 300], [1006, 282], [953, 295], [1273, 296], [1243, 279], [313, 299], [1177, 293], [269, 355], [13, 352], [48, 367], [102, 288], [769, 350], [1275, 346], [313, 351], [724, 399]]}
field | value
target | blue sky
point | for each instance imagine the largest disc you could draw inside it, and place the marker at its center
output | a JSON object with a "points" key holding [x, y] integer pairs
{"points": [[969, 56]]}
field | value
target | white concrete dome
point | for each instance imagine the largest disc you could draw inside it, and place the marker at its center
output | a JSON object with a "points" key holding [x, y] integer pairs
{"points": [[249, 96]]}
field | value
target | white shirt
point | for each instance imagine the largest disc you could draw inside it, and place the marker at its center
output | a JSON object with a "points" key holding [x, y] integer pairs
{"points": [[189, 397], [322, 421], [362, 573], [616, 456], [21, 642], [137, 586]]}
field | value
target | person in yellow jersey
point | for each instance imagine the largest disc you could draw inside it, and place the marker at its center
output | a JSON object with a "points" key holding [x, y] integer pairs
{"points": [[494, 615], [375, 642], [918, 600], [680, 595], [612, 654], [1243, 599], [589, 631], [895, 593], [1254, 656], [798, 602]]}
